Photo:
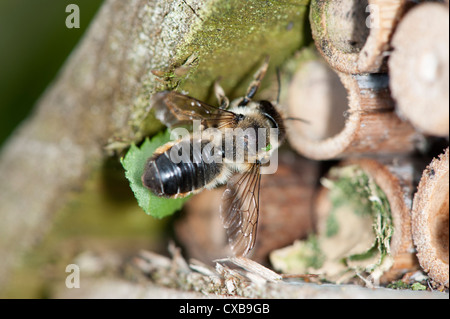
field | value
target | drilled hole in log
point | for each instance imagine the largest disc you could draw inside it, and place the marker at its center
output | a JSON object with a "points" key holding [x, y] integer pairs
{"points": [[317, 95], [354, 36], [369, 125], [346, 23]]}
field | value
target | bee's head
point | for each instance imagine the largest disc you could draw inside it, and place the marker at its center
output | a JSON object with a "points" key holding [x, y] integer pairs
{"points": [[260, 129]]}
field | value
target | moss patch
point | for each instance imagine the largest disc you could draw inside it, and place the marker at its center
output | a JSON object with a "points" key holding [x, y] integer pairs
{"points": [[234, 37]]}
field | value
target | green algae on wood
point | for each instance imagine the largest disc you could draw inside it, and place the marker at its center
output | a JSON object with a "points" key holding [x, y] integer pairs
{"points": [[236, 35]]}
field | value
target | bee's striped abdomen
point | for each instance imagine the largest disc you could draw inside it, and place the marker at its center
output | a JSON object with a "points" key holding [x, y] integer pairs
{"points": [[173, 173]]}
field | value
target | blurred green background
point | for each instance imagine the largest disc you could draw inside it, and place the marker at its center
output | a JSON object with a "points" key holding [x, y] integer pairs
{"points": [[34, 43]]}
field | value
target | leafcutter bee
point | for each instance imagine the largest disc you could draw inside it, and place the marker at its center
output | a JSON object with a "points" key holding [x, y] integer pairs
{"points": [[245, 134]]}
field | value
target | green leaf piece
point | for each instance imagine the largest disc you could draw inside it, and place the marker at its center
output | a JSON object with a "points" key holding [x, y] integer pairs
{"points": [[134, 163], [418, 286]]}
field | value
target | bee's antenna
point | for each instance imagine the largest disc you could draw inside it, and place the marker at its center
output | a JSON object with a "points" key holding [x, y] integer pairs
{"points": [[257, 78], [297, 119], [279, 84]]}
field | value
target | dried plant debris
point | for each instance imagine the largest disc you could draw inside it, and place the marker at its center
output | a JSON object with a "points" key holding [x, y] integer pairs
{"points": [[238, 277], [353, 238], [235, 276], [416, 280]]}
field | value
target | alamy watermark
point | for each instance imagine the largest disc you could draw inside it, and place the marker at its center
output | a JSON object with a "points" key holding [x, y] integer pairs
{"points": [[373, 20], [73, 278], [73, 19]]}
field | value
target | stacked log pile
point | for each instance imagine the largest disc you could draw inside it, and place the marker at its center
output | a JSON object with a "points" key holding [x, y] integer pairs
{"points": [[375, 95], [392, 63]]}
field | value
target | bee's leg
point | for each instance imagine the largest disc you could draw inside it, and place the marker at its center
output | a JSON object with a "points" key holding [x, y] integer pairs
{"points": [[257, 78], [221, 97]]}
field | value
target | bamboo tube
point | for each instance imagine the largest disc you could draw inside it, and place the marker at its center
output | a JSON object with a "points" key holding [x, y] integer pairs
{"points": [[317, 94], [285, 213], [354, 36], [430, 217], [395, 179], [419, 68]]}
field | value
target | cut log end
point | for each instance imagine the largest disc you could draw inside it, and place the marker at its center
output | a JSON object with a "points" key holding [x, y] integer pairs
{"points": [[430, 220], [419, 68], [353, 36]]}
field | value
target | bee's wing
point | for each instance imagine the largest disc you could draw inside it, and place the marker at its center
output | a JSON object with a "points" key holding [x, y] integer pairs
{"points": [[173, 108], [240, 209]]}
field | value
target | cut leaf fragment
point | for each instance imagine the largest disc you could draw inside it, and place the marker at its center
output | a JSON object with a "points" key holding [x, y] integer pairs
{"points": [[134, 163]]}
